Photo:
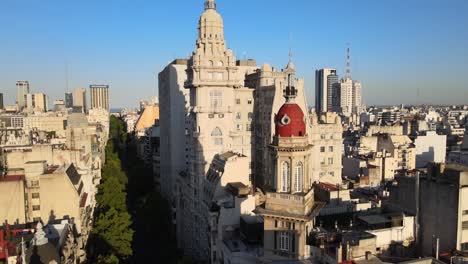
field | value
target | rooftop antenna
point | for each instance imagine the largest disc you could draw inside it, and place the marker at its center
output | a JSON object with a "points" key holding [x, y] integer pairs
{"points": [[290, 46], [348, 64], [66, 76]]}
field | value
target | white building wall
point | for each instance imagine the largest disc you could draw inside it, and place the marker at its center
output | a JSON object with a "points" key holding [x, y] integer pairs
{"points": [[430, 148]]}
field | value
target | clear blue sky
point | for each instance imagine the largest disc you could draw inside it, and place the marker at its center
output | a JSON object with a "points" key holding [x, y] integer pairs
{"points": [[397, 46]]}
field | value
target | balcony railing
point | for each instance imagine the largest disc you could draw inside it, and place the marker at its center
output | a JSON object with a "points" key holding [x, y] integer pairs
{"points": [[300, 203]]}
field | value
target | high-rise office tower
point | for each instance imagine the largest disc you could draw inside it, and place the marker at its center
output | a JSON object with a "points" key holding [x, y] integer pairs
{"points": [[99, 95], [325, 79], [68, 100], [22, 89], [1, 101], [79, 100]]}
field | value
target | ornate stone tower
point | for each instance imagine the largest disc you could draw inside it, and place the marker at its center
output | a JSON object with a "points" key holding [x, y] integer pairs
{"points": [[289, 209], [290, 150], [212, 78]]}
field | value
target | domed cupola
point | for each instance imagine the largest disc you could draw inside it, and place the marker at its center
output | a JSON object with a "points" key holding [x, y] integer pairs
{"points": [[290, 121]]}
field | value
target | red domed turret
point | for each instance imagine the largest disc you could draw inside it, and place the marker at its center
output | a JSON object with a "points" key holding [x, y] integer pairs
{"points": [[290, 121]]}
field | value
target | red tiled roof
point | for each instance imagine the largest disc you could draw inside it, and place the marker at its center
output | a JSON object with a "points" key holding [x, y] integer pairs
{"points": [[51, 169], [328, 186], [11, 178]]}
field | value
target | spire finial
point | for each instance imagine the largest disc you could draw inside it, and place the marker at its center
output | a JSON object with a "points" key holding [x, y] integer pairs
{"points": [[210, 4], [348, 65], [290, 47]]}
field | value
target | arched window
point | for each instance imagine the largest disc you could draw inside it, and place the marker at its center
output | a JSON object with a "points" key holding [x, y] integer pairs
{"points": [[217, 136], [250, 116], [211, 63], [285, 175], [299, 176], [220, 64]]}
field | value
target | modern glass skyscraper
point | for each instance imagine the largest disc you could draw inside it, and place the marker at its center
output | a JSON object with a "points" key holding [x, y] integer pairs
{"points": [[324, 80]]}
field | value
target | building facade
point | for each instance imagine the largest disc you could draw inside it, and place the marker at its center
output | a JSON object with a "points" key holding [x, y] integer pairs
{"points": [[79, 100], [68, 100], [212, 104], [22, 89], [37, 102], [99, 95], [325, 80]]}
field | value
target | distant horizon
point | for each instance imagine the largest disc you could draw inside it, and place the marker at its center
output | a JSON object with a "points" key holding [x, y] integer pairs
{"points": [[402, 52]]}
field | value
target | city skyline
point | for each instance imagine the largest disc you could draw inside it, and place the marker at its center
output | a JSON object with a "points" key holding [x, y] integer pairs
{"points": [[399, 50]]}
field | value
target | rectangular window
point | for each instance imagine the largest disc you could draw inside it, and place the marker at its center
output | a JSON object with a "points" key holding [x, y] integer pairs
{"points": [[465, 212], [323, 161], [330, 148], [216, 99], [238, 101], [284, 241], [322, 136], [464, 247], [322, 149], [35, 183], [35, 195], [36, 207], [239, 127], [249, 101], [249, 127], [465, 225], [330, 161]]}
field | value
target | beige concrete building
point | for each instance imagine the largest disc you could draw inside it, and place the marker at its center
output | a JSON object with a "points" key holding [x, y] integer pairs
{"points": [[42, 193], [229, 106], [37, 102], [12, 203], [79, 100], [390, 153], [443, 206], [147, 119], [55, 122], [99, 96]]}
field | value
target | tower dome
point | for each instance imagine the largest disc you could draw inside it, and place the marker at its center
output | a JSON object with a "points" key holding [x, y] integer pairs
{"points": [[211, 24], [290, 121]]}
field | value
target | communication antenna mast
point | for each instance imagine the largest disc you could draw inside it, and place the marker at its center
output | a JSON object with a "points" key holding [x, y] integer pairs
{"points": [[348, 65], [66, 76]]}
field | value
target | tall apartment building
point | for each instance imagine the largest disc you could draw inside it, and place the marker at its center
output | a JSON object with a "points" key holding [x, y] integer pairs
{"points": [[37, 102], [79, 100], [213, 104], [350, 99], [68, 100], [350, 96], [1, 101], [99, 95], [22, 89], [325, 80]]}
